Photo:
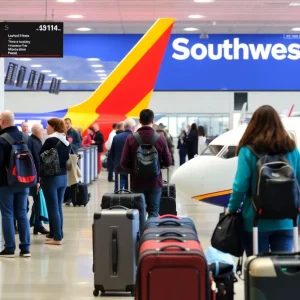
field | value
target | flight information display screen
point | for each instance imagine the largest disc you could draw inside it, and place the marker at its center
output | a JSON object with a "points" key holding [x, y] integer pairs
{"points": [[31, 39]]}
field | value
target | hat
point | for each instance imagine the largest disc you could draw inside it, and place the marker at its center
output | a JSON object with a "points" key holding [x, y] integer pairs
{"points": [[162, 125], [160, 128]]}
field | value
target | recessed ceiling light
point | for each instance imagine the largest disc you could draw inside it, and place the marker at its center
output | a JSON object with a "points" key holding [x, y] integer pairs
{"points": [[196, 16], [204, 1], [93, 59], [52, 75], [46, 71], [60, 78], [296, 29], [75, 16], [190, 29], [97, 66], [25, 59], [295, 4], [83, 29], [35, 66], [66, 1], [102, 75], [100, 71], [64, 81]]}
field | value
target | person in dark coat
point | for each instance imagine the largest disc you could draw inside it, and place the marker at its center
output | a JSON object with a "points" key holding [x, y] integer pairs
{"points": [[99, 141], [182, 147], [192, 142], [116, 153], [36, 136]]}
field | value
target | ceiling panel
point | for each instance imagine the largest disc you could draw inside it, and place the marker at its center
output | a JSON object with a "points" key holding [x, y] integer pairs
{"points": [[135, 16]]}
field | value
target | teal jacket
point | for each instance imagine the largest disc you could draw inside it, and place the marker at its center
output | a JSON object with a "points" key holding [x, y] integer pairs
{"points": [[245, 179]]}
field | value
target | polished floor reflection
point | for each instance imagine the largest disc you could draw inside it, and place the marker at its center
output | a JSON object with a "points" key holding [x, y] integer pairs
{"points": [[65, 272]]}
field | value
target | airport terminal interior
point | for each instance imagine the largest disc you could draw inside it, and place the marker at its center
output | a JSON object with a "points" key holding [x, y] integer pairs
{"points": [[70, 70]]}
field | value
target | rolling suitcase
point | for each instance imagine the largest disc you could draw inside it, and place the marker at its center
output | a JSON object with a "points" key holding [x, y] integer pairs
{"points": [[170, 222], [272, 276], [173, 270], [115, 239], [127, 199], [80, 194], [160, 234], [167, 201]]}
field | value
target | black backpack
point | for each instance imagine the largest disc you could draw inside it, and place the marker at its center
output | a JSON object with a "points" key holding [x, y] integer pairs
{"points": [[146, 162], [277, 191]]}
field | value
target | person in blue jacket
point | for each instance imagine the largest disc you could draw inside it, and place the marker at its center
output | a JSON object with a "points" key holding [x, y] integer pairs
{"points": [[266, 134], [116, 152]]}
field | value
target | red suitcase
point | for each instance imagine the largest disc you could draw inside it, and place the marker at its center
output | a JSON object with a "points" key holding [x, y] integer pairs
{"points": [[173, 269]]}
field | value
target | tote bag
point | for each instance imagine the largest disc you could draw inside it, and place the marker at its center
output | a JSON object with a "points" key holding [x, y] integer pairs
{"points": [[228, 235]]}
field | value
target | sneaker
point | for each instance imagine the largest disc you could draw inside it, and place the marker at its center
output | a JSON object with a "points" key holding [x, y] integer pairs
{"points": [[7, 253], [53, 242], [25, 254]]}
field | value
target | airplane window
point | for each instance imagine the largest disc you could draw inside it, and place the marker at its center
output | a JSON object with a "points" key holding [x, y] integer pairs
{"points": [[212, 150], [230, 152]]}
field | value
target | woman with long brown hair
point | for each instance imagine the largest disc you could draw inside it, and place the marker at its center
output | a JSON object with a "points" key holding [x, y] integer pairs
{"points": [[264, 134]]}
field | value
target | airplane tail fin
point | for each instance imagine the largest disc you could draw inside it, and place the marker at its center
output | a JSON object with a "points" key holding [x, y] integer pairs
{"points": [[243, 114], [128, 88]]}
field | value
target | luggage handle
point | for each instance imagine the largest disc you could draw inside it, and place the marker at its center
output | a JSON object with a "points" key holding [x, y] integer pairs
{"points": [[118, 207], [123, 192], [167, 181], [168, 217], [171, 222], [168, 233], [114, 257], [172, 238], [174, 246], [119, 184]]}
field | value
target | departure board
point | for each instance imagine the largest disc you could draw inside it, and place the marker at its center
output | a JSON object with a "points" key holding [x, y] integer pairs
{"points": [[31, 39]]}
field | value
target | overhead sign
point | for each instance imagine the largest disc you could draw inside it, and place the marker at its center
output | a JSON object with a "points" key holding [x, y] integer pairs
{"points": [[31, 39]]}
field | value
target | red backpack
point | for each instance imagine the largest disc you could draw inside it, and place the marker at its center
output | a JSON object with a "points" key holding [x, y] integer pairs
{"points": [[21, 171]]}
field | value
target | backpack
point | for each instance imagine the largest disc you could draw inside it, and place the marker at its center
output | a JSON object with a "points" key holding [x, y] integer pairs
{"points": [[277, 191], [21, 171], [50, 165], [146, 162]]}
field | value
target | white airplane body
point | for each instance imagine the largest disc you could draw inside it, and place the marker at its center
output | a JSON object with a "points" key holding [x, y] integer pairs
{"points": [[209, 176]]}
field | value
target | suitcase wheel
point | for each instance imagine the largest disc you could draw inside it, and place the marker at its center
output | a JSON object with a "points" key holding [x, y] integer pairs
{"points": [[96, 293]]}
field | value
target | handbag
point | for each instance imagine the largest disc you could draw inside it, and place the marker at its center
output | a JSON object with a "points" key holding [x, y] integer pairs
{"points": [[228, 236], [50, 164]]}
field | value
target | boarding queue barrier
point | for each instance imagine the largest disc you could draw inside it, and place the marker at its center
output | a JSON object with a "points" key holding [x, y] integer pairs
{"points": [[87, 165], [81, 164], [94, 164], [92, 169]]}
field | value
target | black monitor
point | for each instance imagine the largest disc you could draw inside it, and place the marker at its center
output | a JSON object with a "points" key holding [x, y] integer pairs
{"points": [[21, 76], [57, 88], [11, 74], [53, 86], [31, 80], [40, 82]]}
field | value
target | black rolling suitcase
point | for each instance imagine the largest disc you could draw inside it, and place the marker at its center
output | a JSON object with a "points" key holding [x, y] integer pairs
{"points": [[127, 199], [80, 194], [167, 201], [273, 276]]}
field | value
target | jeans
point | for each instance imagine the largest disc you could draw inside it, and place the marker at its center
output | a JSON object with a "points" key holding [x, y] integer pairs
{"points": [[182, 156], [35, 212], [152, 197], [274, 241], [123, 180], [13, 205], [54, 189]]}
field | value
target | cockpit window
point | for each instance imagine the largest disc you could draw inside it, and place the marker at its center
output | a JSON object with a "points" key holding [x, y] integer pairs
{"points": [[230, 152], [212, 150]]}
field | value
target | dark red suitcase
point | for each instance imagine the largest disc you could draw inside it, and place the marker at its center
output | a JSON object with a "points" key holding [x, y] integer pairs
{"points": [[173, 270]]}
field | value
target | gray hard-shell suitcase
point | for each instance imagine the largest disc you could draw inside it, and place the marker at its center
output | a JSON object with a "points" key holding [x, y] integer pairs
{"points": [[272, 276], [115, 241]]}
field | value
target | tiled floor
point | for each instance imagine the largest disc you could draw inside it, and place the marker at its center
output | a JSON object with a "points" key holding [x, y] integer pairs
{"points": [[65, 272]]}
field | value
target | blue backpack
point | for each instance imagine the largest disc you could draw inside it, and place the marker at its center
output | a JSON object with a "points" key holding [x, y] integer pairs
{"points": [[21, 171]]}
